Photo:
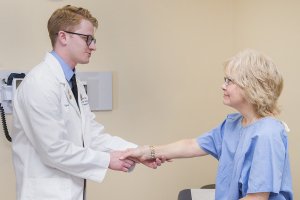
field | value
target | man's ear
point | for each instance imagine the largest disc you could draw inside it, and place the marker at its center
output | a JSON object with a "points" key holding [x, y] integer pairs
{"points": [[62, 38]]}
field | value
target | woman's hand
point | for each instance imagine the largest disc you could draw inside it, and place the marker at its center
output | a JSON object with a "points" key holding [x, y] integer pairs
{"points": [[138, 153]]}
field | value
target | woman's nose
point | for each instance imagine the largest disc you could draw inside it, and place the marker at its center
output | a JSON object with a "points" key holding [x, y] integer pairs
{"points": [[223, 87]]}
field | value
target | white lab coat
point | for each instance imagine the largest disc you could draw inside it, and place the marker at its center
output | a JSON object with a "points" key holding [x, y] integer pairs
{"points": [[48, 134]]}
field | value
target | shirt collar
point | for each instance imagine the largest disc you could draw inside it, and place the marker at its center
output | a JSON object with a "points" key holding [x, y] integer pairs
{"points": [[65, 67]]}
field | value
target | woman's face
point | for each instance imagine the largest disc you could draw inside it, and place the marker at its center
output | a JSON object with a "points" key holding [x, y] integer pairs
{"points": [[232, 96]]}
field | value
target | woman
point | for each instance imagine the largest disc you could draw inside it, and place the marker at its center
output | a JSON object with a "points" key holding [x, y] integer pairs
{"points": [[252, 145]]}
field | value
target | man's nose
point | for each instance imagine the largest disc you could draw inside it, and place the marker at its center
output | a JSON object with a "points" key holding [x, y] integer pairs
{"points": [[92, 46]]}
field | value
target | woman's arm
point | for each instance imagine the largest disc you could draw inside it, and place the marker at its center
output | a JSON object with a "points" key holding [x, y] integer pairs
{"points": [[187, 148], [257, 196]]}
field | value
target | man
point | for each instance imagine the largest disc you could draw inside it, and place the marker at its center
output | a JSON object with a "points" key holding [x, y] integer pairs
{"points": [[56, 143]]}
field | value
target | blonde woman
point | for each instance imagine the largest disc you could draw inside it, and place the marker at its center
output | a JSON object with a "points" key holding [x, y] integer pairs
{"points": [[252, 145]]}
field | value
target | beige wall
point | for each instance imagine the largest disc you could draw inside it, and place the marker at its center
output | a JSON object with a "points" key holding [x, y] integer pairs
{"points": [[166, 57]]}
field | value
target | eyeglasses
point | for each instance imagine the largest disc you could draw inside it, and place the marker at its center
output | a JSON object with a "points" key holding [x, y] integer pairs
{"points": [[228, 80], [89, 38]]}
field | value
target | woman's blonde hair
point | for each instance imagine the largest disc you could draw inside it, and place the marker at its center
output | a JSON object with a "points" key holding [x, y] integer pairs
{"points": [[68, 18], [259, 80]]}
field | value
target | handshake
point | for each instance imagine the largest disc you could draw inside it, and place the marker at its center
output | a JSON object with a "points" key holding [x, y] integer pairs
{"points": [[123, 160]]}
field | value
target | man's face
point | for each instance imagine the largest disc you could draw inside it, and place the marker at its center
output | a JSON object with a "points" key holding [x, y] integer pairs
{"points": [[78, 50]]}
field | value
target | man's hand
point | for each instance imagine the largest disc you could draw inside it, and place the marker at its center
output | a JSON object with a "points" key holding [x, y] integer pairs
{"points": [[117, 164], [141, 154], [155, 162]]}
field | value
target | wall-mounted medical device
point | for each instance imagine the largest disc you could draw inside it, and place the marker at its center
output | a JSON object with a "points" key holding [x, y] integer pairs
{"points": [[98, 86], [8, 88]]}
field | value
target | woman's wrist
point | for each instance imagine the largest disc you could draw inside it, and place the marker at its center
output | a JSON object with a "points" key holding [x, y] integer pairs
{"points": [[146, 152], [149, 152], [152, 152]]}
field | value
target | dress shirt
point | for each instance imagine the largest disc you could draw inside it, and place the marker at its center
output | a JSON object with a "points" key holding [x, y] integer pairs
{"points": [[65, 67]]}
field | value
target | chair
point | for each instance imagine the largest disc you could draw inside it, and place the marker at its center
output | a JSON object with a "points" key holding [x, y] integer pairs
{"points": [[206, 192], [210, 186], [185, 195]]}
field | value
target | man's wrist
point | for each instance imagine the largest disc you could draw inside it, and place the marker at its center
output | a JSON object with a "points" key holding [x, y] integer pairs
{"points": [[104, 159]]}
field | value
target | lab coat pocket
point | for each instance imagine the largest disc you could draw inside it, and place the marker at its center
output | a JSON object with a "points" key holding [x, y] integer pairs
{"points": [[49, 188], [85, 105]]}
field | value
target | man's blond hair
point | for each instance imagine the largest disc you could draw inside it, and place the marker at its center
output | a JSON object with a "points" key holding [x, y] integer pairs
{"points": [[259, 80], [67, 19]]}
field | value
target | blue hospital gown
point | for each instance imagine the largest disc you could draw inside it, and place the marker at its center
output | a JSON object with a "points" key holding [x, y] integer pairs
{"points": [[252, 158]]}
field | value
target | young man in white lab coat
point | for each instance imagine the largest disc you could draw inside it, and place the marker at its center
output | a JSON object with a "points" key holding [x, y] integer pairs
{"points": [[56, 142]]}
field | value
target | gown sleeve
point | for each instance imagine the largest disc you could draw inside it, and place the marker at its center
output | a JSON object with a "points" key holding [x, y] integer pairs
{"points": [[211, 141]]}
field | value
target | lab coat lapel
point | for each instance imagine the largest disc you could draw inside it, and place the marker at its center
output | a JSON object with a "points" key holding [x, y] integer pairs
{"points": [[71, 97], [59, 74], [55, 67], [84, 117]]}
